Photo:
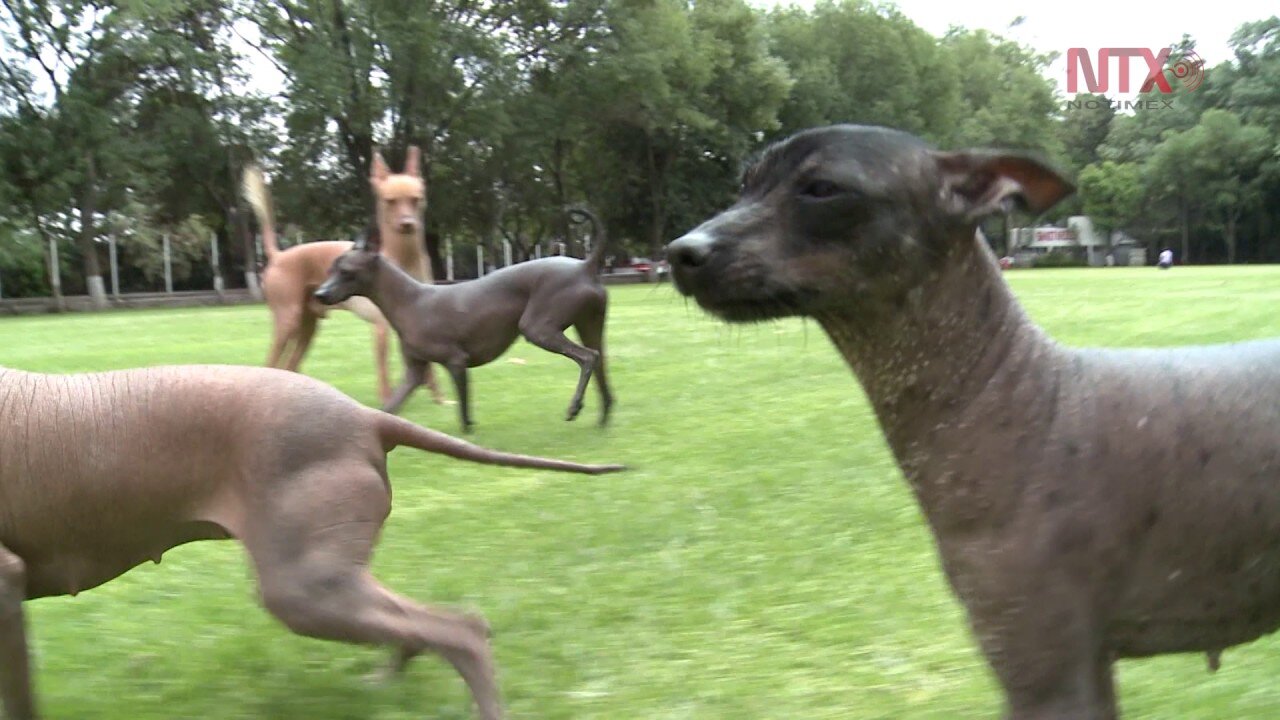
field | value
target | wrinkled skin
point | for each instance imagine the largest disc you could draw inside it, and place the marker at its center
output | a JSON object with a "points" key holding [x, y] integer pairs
{"points": [[1087, 504], [100, 473]]}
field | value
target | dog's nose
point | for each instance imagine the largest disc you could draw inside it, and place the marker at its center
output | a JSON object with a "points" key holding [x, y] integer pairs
{"points": [[690, 251]]}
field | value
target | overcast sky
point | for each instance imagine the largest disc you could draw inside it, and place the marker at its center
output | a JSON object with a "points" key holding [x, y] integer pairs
{"points": [[1090, 24]]}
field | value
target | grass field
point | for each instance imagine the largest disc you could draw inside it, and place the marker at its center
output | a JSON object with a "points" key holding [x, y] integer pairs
{"points": [[763, 560]]}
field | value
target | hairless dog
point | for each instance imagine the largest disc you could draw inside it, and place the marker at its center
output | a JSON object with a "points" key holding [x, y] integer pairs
{"points": [[472, 323], [292, 274], [1087, 505], [102, 472]]}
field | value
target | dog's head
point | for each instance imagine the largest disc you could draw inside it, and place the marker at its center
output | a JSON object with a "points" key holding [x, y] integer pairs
{"points": [[843, 216], [400, 197], [355, 271]]}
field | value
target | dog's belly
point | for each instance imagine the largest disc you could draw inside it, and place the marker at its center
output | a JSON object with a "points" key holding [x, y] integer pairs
{"points": [[75, 566]]}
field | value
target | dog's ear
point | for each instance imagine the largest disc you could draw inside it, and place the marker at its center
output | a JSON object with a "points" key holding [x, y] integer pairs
{"points": [[413, 162], [378, 170], [978, 183], [372, 238]]}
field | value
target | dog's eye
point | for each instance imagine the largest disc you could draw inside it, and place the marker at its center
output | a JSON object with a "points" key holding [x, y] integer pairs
{"points": [[820, 189]]}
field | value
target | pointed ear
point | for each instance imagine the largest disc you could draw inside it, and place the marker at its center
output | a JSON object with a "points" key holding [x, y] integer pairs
{"points": [[413, 162], [378, 170], [978, 183], [372, 238]]}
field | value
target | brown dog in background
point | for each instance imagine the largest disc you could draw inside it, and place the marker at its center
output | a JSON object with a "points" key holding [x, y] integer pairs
{"points": [[293, 274]]}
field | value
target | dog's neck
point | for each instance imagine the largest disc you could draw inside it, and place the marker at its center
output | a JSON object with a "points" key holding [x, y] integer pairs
{"points": [[406, 250], [937, 361], [395, 292]]}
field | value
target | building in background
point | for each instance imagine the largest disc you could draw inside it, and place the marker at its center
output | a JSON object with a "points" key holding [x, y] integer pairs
{"points": [[1079, 240]]}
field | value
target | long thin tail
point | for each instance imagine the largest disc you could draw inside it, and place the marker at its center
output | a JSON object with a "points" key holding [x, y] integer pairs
{"points": [[599, 237], [396, 431], [258, 194]]}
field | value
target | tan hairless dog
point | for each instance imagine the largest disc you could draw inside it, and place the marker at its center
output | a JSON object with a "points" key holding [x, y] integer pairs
{"points": [[291, 275], [102, 472]]}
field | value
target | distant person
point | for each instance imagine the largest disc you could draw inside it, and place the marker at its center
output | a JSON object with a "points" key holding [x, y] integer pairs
{"points": [[1166, 259]]}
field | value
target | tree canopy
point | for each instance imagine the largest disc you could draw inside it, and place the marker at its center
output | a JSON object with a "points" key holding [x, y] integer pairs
{"points": [[132, 120]]}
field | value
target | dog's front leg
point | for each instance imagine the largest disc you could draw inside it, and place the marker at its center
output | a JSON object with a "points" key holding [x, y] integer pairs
{"points": [[15, 673], [458, 371], [1047, 652], [412, 379], [429, 378]]}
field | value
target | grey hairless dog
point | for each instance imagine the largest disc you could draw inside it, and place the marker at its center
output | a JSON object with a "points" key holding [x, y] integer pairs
{"points": [[1088, 505], [100, 473], [470, 324]]}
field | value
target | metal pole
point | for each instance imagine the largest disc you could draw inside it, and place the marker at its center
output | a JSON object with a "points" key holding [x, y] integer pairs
{"points": [[448, 259], [217, 266], [55, 272], [168, 266], [506, 252], [537, 251], [115, 265], [479, 261]]}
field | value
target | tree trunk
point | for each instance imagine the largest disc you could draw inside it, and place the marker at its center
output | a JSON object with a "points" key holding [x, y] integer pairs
{"points": [[88, 236], [1230, 237], [657, 199], [1185, 222]]}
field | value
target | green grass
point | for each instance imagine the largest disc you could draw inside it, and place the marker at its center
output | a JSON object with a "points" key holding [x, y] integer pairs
{"points": [[764, 558]]}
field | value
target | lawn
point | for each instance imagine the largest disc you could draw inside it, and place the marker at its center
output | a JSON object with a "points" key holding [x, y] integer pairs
{"points": [[763, 559]]}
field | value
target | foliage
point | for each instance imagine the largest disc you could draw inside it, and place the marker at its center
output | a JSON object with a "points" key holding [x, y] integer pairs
{"points": [[1112, 194], [646, 109]]}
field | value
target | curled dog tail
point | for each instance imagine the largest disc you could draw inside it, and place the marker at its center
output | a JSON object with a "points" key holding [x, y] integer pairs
{"points": [[599, 238], [396, 432], [256, 192]]}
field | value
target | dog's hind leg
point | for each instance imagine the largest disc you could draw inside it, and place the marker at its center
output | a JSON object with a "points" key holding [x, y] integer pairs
{"points": [[310, 543], [591, 331], [15, 673], [553, 339], [302, 341]]}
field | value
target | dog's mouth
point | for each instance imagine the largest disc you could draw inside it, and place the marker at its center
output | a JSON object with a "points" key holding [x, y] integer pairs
{"points": [[329, 295], [743, 302]]}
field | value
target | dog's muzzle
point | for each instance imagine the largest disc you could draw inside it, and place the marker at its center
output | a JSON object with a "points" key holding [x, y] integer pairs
{"points": [[324, 294], [688, 255]]}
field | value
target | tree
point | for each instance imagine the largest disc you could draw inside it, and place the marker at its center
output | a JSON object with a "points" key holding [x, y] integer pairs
{"points": [[857, 62], [1085, 125], [1112, 194]]}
